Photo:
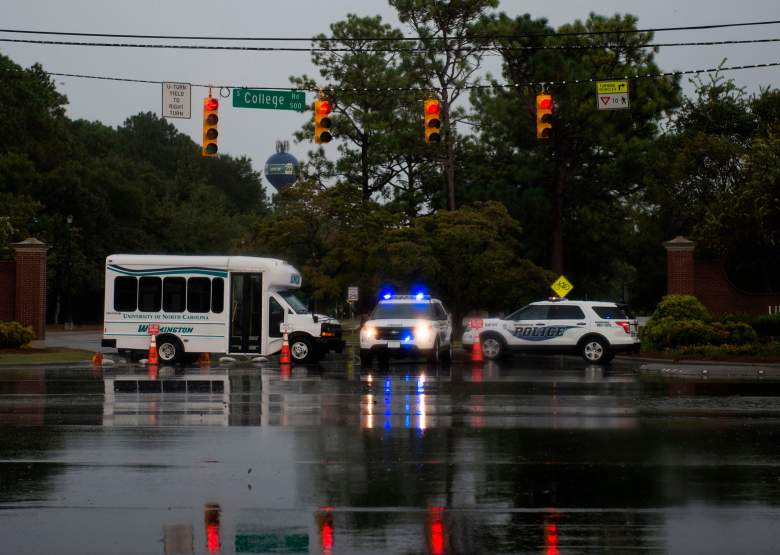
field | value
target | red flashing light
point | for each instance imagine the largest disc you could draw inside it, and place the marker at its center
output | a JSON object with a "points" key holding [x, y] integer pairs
{"points": [[433, 108], [545, 103], [212, 103], [323, 107]]}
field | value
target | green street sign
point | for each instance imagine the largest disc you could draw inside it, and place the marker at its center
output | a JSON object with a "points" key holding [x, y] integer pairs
{"points": [[269, 100]]}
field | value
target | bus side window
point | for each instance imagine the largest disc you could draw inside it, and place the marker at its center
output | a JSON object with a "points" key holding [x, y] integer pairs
{"points": [[217, 295], [174, 294], [125, 294], [149, 294], [198, 294]]}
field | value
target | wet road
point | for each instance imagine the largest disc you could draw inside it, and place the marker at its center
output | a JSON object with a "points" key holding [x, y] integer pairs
{"points": [[535, 455]]}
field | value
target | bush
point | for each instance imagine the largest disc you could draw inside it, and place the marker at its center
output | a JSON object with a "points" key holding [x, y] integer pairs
{"points": [[668, 333], [766, 350], [681, 307], [767, 326], [735, 333], [13, 335]]}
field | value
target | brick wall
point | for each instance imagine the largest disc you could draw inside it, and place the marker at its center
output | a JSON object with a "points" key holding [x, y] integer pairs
{"points": [[30, 298], [7, 289], [709, 282]]}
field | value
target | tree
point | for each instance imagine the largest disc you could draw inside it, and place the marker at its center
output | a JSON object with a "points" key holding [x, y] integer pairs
{"points": [[447, 60], [575, 189]]}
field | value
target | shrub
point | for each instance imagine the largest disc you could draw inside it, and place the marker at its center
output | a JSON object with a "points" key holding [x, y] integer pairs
{"points": [[13, 335], [735, 333], [766, 350], [681, 307], [668, 333], [767, 326]]}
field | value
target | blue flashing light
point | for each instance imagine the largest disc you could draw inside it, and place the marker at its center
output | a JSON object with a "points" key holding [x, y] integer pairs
{"points": [[419, 296], [408, 339], [387, 296]]}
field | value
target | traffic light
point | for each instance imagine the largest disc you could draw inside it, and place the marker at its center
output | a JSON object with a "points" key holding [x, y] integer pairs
{"points": [[432, 110], [544, 109], [210, 121], [322, 121]]}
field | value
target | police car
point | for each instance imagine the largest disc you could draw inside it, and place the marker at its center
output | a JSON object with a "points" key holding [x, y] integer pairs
{"points": [[407, 325], [596, 330]]}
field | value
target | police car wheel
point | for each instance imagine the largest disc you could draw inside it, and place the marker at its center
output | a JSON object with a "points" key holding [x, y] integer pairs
{"points": [[301, 349], [595, 350], [492, 348]]}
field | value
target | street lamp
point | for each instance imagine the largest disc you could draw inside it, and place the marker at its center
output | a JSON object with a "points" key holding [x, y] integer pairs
{"points": [[69, 306]]}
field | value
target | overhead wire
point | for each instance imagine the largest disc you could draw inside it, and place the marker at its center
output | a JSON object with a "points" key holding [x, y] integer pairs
{"points": [[333, 90], [494, 48], [403, 38]]}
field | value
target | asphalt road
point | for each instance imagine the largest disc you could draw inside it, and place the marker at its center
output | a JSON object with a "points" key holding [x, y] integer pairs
{"points": [[535, 455]]}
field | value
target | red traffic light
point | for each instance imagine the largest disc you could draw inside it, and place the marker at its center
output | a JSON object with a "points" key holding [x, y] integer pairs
{"points": [[211, 103], [433, 108], [545, 103], [323, 107]]}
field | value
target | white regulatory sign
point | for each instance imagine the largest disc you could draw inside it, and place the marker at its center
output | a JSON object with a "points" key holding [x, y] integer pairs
{"points": [[612, 101], [352, 293], [176, 100]]}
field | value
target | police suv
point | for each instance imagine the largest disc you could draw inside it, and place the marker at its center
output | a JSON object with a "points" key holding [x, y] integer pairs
{"points": [[596, 330], [407, 325]]}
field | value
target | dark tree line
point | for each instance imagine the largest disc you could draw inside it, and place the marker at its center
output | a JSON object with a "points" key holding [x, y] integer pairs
{"points": [[374, 208]]}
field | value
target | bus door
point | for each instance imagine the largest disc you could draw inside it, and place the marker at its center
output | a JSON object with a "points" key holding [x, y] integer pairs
{"points": [[246, 313]]}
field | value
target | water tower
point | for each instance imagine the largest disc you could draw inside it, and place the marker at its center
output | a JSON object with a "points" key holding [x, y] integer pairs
{"points": [[282, 168]]}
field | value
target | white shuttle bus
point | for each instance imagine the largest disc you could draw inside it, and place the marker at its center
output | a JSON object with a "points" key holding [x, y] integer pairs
{"points": [[211, 304]]}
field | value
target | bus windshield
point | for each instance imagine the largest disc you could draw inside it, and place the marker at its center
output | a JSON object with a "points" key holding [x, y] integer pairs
{"points": [[295, 303]]}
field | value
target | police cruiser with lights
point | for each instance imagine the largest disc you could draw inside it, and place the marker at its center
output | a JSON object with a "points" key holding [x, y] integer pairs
{"points": [[596, 330], [211, 304], [407, 325]]}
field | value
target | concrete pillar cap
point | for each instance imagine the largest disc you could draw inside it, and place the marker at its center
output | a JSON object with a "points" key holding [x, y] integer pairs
{"points": [[680, 243], [30, 244]]}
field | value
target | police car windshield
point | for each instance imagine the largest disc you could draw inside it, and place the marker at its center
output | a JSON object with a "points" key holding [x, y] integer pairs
{"points": [[402, 311], [295, 303]]}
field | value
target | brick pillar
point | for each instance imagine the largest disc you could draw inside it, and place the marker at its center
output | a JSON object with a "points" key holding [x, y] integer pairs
{"points": [[30, 309], [680, 271]]}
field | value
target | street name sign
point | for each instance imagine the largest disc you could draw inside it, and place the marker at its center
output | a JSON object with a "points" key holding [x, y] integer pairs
{"points": [[176, 100], [269, 99], [562, 287]]}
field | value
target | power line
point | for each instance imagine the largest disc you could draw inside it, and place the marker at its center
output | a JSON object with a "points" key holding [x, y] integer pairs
{"points": [[403, 38], [334, 90], [388, 50]]}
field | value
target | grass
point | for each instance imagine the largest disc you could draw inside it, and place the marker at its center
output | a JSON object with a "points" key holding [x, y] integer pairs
{"points": [[49, 355]]}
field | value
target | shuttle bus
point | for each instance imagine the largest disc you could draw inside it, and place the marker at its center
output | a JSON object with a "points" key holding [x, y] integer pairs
{"points": [[231, 305]]}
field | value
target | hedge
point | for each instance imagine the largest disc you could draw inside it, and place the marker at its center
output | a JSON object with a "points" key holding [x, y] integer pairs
{"points": [[13, 335]]}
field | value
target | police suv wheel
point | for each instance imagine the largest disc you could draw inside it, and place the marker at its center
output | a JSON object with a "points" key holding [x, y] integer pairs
{"points": [[492, 348], [301, 349], [595, 350]]}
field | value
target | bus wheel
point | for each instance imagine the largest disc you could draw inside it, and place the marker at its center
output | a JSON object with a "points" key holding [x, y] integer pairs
{"points": [[302, 349], [169, 349]]}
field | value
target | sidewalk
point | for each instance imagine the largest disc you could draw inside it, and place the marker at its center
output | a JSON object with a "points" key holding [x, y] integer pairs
{"points": [[85, 340]]}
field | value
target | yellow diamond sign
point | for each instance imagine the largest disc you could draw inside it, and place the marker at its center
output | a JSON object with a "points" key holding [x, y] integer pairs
{"points": [[562, 287]]}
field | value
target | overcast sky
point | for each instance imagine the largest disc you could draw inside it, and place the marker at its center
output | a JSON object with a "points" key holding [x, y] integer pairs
{"points": [[252, 132]]}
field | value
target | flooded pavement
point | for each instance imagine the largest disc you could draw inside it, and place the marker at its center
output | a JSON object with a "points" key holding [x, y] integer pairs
{"points": [[533, 455]]}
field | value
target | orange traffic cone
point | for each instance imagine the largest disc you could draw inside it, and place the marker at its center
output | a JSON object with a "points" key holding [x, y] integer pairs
{"points": [[476, 349], [97, 359], [204, 359], [153, 350], [284, 355]]}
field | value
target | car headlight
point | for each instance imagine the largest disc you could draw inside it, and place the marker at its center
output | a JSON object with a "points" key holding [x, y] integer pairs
{"points": [[369, 332], [422, 332]]}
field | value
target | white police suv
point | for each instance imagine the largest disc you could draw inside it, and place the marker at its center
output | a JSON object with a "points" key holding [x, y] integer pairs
{"points": [[407, 325], [596, 330]]}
